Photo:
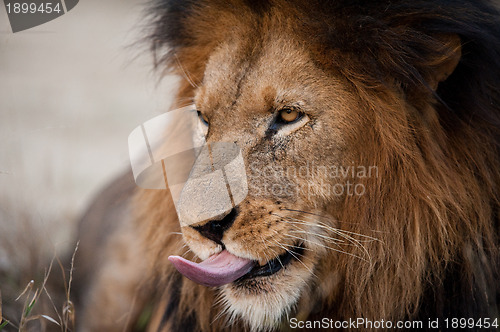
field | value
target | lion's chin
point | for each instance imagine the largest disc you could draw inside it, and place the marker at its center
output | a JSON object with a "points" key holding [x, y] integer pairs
{"points": [[265, 295], [263, 301]]}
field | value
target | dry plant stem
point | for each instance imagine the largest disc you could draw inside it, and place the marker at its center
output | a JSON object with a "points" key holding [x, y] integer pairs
{"points": [[28, 307], [68, 309], [65, 318], [2, 323]]}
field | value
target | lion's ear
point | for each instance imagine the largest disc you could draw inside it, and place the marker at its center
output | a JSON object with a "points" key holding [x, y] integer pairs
{"points": [[444, 66]]}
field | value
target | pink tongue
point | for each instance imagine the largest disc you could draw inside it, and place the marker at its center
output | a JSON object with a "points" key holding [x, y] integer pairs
{"points": [[216, 270]]}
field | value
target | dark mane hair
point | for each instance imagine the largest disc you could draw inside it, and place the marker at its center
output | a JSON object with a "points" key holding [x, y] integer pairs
{"points": [[441, 212], [385, 38]]}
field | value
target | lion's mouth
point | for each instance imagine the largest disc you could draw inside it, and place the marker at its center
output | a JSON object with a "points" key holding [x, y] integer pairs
{"points": [[224, 267], [275, 265]]}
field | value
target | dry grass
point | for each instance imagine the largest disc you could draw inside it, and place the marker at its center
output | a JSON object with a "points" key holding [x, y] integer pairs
{"points": [[35, 283], [40, 307]]}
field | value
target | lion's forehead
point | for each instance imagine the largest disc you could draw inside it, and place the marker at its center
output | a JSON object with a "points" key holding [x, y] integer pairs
{"points": [[250, 80], [269, 61]]}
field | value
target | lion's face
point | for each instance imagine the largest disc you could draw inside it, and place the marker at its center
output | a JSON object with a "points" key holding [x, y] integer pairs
{"points": [[369, 137], [294, 124]]}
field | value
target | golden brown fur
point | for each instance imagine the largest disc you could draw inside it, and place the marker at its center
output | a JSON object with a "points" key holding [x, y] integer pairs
{"points": [[407, 88]]}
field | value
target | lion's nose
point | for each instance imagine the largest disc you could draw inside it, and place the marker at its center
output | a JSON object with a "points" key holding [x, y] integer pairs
{"points": [[214, 229]]}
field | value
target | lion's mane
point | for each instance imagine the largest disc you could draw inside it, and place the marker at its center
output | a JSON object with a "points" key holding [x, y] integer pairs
{"points": [[435, 205]]}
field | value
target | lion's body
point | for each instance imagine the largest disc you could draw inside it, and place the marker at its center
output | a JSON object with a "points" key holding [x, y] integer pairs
{"points": [[406, 89]]}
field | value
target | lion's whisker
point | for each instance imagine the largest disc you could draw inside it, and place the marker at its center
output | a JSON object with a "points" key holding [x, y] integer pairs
{"points": [[306, 222], [353, 241], [282, 245], [264, 252], [277, 256], [297, 258], [370, 238], [317, 215], [308, 214], [332, 242], [185, 73], [297, 247], [274, 251], [300, 222], [186, 252], [290, 245], [336, 241], [294, 224], [333, 229], [327, 238], [327, 247]]}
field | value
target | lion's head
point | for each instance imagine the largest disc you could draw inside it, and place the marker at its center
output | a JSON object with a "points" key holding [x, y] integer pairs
{"points": [[370, 138]]}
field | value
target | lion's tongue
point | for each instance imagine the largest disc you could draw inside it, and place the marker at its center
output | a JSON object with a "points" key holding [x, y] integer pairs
{"points": [[216, 270]]}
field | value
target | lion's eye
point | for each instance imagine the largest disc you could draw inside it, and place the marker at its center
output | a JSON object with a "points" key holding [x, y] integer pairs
{"points": [[289, 115], [203, 118], [288, 120]]}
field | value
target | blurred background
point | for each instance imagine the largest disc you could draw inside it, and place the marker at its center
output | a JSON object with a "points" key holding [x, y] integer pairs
{"points": [[71, 91]]}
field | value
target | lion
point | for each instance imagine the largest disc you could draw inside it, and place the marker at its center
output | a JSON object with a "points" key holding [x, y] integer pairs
{"points": [[370, 137]]}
